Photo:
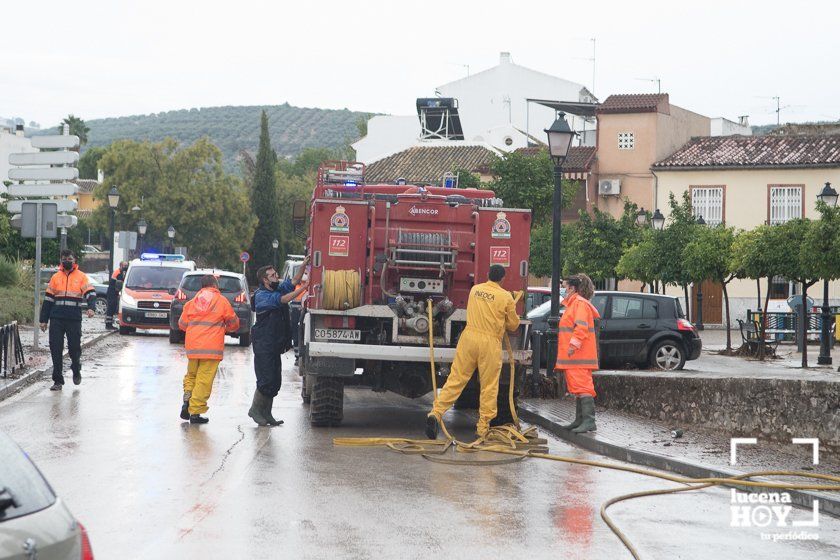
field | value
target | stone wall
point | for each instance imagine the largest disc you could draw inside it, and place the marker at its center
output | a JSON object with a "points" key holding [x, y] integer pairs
{"points": [[769, 409]]}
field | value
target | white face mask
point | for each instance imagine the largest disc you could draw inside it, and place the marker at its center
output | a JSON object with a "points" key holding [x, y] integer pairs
{"points": [[304, 278]]}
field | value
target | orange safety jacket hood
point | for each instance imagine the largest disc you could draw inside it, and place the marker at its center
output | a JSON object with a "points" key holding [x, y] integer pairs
{"points": [[577, 331], [205, 319]]}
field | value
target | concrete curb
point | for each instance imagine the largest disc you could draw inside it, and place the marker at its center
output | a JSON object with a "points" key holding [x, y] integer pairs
{"points": [[34, 375], [830, 505]]}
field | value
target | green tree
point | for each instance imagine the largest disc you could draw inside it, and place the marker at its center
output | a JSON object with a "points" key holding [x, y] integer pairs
{"points": [[89, 163], [185, 187], [77, 127], [468, 179], [264, 202], [599, 241], [642, 261], [709, 257], [527, 181], [308, 161], [291, 188]]}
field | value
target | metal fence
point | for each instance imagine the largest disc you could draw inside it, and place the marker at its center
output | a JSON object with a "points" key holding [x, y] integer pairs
{"points": [[784, 326], [11, 350]]}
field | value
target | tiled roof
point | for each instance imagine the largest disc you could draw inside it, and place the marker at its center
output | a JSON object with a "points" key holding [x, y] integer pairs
{"points": [[579, 158], [756, 151], [86, 186], [427, 164], [635, 103]]}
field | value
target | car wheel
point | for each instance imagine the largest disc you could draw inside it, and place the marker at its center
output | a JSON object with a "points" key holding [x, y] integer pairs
{"points": [[667, 355], [245, 339], [175, 336], [100, 306], [127, 330]]}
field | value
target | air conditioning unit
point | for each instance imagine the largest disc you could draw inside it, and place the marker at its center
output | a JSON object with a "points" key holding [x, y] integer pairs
{"points": [[609, 187]]}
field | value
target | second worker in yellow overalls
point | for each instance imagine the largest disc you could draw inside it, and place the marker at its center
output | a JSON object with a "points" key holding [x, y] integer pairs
{"points": [[490, 311]]}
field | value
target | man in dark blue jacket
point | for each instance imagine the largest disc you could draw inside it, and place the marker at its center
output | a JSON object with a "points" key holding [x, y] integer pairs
{"points": [[271, 337]]}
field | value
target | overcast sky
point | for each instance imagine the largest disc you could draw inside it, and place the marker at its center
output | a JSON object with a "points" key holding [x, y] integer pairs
{"points": [[105, 58]]}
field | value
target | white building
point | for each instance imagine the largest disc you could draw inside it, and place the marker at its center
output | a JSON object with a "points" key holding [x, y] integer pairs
{"points": [[12, 141], [721, 126], [499, 106]]}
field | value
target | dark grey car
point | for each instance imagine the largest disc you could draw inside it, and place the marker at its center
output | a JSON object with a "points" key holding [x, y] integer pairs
{"points": [[232, 285], [647, 330]]}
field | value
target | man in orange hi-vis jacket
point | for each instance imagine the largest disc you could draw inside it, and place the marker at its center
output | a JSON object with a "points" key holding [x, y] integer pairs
{"points": [[206, 318], [577, 350]]}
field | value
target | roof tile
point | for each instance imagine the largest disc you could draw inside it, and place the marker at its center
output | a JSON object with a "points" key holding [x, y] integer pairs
{"points": [[635, 103], [756, 151], [427, 164]]}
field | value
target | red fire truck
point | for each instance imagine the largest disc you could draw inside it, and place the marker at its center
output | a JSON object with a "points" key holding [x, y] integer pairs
{"points": [[385, 257]]}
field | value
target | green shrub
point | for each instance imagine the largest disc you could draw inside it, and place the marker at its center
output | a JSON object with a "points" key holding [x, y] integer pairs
{"points": [[15, 305], [9, 273]]}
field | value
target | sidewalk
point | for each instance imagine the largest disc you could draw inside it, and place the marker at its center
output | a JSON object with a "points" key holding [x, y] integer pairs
{"points": [[699, 452], [38, 362]]}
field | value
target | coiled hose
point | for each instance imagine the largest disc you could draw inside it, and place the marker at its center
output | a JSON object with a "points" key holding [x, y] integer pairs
{"points": [[341, 289]]}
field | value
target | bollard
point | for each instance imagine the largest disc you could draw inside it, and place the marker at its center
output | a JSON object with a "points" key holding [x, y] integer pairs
{"points": [[536, 362]]}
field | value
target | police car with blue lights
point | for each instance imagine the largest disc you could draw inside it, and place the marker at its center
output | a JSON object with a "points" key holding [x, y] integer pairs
{"points": [[150, 284]]}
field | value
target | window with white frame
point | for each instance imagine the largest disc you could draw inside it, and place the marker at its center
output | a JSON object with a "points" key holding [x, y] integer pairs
{"points": [[785, 203], [626, 141], [708, 202]]}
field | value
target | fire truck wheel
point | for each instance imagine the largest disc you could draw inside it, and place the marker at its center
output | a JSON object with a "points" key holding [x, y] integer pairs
{"points": [[326, 407], [175, 336], [504, 415], [468, 399], [306, 389]]}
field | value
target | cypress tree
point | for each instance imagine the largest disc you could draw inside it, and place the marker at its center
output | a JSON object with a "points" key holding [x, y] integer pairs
{"points": [[264, 203]]}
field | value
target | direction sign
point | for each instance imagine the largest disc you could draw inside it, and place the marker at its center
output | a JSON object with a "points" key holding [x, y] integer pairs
{"points": [[44, 174], [63, 220], [44, 158], [54, 141], [16, 206], [244, 257], [50, 189]]}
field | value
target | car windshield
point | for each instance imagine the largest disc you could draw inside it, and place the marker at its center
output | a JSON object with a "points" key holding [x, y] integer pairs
{"points": [[227, 284], [541, 311], [22, 488], [154, 278]]}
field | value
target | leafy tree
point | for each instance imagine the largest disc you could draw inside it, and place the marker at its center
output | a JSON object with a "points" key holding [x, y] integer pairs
{"points": [[467, 179], [185, 187], [291, 188], [89, 163], [642, 261], [264, 202], [308, 161], [527, 181], [599, 241], [77, 127], [709, 257], [681, 230]]}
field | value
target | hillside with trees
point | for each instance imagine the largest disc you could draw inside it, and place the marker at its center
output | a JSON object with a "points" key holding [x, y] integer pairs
{"points": [[292, 129]]}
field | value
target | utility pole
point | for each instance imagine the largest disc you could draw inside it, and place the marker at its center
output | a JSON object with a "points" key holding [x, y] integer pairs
{"points": [[778, 111]]}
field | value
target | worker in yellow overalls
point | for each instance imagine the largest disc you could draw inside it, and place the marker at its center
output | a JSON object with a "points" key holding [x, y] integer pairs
{"points": [[490, 311]]}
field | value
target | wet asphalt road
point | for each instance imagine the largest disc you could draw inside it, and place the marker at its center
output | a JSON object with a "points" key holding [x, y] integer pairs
{"points": [[148, 485]]}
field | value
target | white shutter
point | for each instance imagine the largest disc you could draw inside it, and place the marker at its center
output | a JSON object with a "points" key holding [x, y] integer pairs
{"points": [[785, 204], [708, 202]]}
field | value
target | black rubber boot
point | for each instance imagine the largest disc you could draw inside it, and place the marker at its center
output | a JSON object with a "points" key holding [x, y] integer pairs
{"points": [[432, 426], [198, 419], [257, 410], [269, 402], [587, 412], [185, 407], [578, 419], [77, 377]]}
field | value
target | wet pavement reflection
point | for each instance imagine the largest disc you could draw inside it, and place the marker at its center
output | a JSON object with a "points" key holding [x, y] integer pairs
{"points": [[148, 485]]}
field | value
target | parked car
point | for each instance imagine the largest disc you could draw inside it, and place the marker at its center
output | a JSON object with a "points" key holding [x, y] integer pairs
{"points": [[34, 522], [537, 295], [291, 266], [232, 285], [149, 288], [647, 330]]}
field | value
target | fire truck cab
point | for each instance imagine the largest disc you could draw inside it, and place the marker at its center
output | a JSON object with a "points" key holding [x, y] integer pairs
{"points": [[391, 264]]}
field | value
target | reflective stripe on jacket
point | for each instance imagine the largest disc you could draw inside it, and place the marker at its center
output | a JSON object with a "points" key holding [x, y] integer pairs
{"points": [[66, 294], [205, 319], [577, 331]]}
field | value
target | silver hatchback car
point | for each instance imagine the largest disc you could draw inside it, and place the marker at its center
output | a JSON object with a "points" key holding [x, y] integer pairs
{"points": [[34, 522]]}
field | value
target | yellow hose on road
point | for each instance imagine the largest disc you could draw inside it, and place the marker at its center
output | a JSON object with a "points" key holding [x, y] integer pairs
{"points": [[509, 440]]}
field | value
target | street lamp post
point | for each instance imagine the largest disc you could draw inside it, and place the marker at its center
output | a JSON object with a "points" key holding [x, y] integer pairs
{"points": [[171, 233], [699, 314], [559, 140], [641, 217], [658, 222], [275, 244], [141, 229], [829, 197], [113, 202]]}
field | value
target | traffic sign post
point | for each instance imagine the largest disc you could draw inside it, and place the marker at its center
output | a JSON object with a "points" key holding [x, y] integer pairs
{"points": [[244, 257]]}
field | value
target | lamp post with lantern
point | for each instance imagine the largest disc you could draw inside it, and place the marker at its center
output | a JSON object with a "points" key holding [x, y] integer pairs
{"points": [[113, 202], [559, 141], [828, 196], [171, 233], [699, 314], [274, 245], [141, 229]]}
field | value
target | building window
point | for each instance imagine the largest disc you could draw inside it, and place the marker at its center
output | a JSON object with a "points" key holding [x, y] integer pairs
{"points": [[785, 203], [708, 202], [626, 141]]}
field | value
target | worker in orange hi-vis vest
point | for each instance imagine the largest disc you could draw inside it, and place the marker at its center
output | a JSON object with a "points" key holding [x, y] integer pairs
{"points": [[206, 318], [577, 349]]}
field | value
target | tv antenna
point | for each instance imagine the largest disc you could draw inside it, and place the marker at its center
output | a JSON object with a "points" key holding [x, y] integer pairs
{"points": [[657, 80]]}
